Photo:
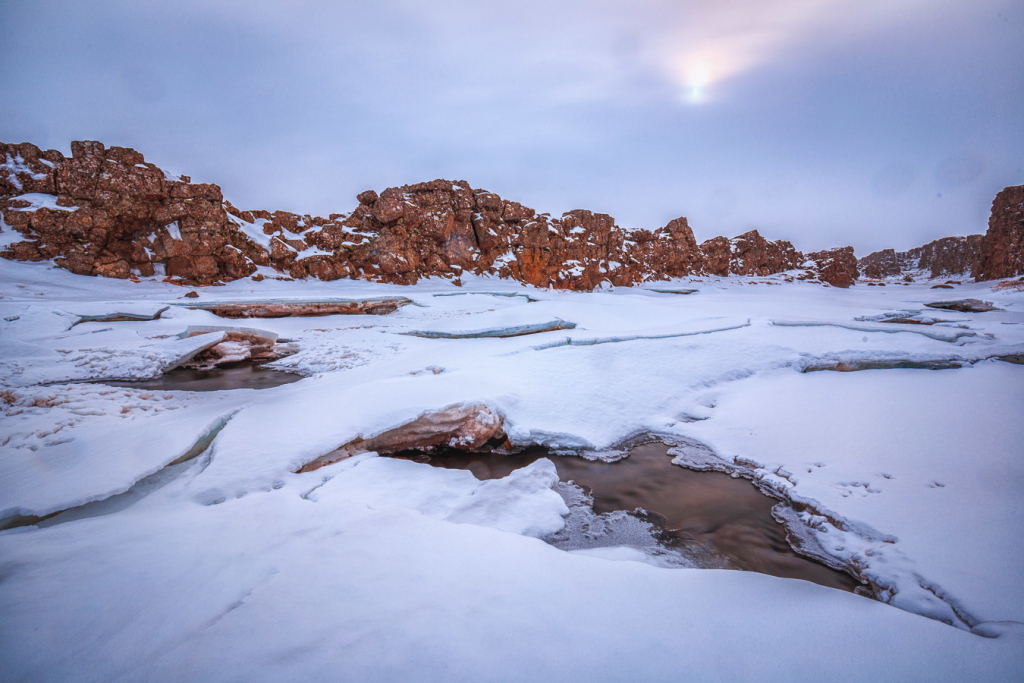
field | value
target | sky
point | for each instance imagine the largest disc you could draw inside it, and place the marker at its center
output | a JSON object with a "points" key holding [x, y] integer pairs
{"points": [[873, 123]]}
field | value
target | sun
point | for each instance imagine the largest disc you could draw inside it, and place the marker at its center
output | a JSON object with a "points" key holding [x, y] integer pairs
{"points": [[698, 73]]}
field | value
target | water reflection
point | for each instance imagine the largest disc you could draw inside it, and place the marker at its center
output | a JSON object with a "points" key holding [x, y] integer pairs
{"points": [[705, 509]]}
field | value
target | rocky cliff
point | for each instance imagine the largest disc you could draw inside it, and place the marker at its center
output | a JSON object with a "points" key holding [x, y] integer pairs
{"points": [[1002, 248], [946, 257], [106, 211]]}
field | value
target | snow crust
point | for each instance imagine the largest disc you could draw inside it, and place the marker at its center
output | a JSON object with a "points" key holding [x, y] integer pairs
{"points": [[231, 566]]}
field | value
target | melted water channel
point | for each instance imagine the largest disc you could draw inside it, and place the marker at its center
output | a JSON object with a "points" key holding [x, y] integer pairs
{"points": [[243, 375], [709, 510]]}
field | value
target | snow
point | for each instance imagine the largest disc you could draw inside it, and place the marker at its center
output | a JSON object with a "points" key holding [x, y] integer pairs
{"points": [[254, 231], [232, 566], [504, 259], [15, 165], [173, 230], [82, 447], [8, 235], [522, 503], [39, 200], [575, 268], [312, 250], [944, 446], [91, 352]]}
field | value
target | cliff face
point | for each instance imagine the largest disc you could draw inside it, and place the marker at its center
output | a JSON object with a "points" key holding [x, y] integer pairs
{"points": [[946, 257], [949, 255], [109, 212], [749, 254], [1002, 249], [882, 264], [836, 266]]}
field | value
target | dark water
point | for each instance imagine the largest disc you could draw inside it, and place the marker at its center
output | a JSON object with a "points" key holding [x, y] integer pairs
{"points": [[708, 509], [243, 375]]}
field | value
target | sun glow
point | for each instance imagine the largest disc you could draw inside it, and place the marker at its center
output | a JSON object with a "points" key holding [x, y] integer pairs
{"points": [[699, 73]]}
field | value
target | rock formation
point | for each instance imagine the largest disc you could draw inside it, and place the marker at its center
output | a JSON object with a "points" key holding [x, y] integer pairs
{"points": [[946, 257], [881, 264], [748, 254], [837, 267], [109, 212], [468, 427], [1002, 250]]}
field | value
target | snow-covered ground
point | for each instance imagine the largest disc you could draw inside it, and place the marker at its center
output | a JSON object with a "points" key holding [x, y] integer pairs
{"points": [[230, 566]]}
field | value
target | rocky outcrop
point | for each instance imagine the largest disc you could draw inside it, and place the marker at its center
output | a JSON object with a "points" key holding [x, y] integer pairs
{"points": [[964, 305], [749, 254], [838, 267], [109, 212], [999, 253], [949, 256], [883, 264], [1002, 250], [303, 309], [468, 427], [239, 344], [447, 228], [946, 257]]}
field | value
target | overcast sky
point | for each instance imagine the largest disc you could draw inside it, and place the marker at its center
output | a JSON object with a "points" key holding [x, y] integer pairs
{"points": [[874, 123]]}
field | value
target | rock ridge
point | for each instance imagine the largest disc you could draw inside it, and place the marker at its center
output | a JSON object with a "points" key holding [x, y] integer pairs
{"points": [[106, 211]]}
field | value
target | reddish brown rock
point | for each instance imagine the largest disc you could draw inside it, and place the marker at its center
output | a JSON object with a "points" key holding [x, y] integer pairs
{"points": [[880, 264], [717, 255], [942, 257], [467, 427], [670, 251], [109, 212], [752, 254], [949, 255], [749, 254], [25, 168], [125, 217], [1002, 248], [838, 267], [305, 309], [116, 215]]}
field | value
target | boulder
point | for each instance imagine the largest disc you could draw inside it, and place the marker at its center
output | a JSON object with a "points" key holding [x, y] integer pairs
{"points": [[468, 427]]}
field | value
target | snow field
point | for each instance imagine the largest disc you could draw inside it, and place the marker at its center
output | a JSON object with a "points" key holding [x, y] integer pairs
{"points": [[234, 567]]}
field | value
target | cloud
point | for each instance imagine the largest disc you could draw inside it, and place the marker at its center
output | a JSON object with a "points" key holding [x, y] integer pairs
{"points": [[706, 44], [821, 122]]}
